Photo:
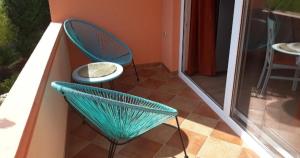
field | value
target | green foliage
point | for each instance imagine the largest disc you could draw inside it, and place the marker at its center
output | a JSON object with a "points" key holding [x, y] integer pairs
{"points": [[7, 35], [7, 56], [30, 18], [7, 84], [22, 23], [286, 5], [6, 29]]}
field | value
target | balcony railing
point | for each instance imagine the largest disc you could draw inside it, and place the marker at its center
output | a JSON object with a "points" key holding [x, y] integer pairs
{"points": [[33, 119]]}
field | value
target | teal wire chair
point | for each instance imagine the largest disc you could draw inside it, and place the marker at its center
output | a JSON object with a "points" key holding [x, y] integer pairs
{"points": [[119, 117], [98, 44]]}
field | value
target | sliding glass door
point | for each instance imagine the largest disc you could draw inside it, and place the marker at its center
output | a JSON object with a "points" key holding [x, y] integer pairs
{"points": [[207, 34], [267, 94]]}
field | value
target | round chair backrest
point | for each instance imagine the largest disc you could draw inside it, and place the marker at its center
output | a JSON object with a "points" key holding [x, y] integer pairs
{"points": [[119, 116], [95, 42]]}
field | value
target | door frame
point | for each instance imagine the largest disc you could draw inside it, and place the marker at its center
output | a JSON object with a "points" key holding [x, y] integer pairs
{"points": [[225, 113]]}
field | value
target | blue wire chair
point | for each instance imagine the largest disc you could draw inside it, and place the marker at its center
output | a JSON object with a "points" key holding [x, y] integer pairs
{"points": [[119, 117], [98, 44]]}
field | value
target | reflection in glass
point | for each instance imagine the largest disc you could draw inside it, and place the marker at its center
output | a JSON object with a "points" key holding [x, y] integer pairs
{"points": [[268, 96]]}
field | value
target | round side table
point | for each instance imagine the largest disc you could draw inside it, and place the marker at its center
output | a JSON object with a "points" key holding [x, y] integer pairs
{"points": [[98, 72]]}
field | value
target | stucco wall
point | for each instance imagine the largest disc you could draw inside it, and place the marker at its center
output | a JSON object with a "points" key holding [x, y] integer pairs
{"points": [[171, 32], [139, 23], [49, 137]]}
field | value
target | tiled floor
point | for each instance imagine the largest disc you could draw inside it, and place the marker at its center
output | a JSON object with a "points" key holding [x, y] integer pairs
{"points": [[275, 114], [212, 85], [205, 135]]}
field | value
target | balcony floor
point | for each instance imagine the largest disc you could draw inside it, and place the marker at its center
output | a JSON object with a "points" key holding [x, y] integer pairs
{"points": [[205, 134]]}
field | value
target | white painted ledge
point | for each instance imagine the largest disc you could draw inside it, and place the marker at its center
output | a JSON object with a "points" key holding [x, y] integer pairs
{"points": [[23, 98]]}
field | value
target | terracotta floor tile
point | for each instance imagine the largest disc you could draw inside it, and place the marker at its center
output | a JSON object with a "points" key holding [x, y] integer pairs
{"points": [[160, 134], [203, 110], [141, 92], [247, 153], [141, 147], [192, 141], [120, 156], [172, 89], [147, 73], [181, 116], [199, 124], [161, 97], [164, 76], [85, 132], [189, 93], [173, 86], [224, 132], [128, 79], [104, 143], [101, 141], [92, 151], [171, 152], [154, 66], [151, 83], [216, 148], [76, 144], [177, 82], [75, 120], [183, 104], [122, 87]]}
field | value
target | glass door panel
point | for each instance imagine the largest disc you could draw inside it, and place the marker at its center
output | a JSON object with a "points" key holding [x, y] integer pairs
{"points": [[207, 35], [268, 95]]}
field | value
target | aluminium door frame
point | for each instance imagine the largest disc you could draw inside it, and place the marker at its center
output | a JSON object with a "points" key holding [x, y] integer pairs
{"points": [[225, 113]]}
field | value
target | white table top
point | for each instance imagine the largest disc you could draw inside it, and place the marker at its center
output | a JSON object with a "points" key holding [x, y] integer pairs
{"points": [[80, 79], [297, 54], [277, 48]]}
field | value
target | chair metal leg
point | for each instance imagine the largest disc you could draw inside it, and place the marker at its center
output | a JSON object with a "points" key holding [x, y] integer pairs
{"points": [[295, 82], [112, 149], [137, 76], [262, 75], [181, 139], [269, 70]]}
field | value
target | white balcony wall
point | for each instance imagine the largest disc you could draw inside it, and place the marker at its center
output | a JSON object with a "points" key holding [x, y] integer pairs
{"points": [[33, 117], [49, 136]]}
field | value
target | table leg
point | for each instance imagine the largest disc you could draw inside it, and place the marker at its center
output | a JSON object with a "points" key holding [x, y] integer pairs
{"points": [[295, 82], [296, 76]]}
